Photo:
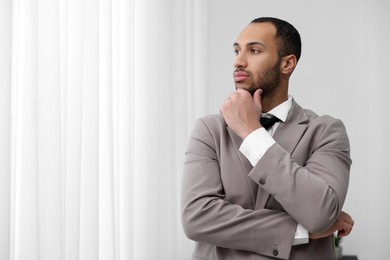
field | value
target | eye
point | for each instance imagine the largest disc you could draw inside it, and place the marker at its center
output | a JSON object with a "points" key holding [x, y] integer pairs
{"points": [[255, 51], [236, 51]]}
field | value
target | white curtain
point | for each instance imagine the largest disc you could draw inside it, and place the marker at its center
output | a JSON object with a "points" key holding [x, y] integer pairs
{"points": [[96, 102]]}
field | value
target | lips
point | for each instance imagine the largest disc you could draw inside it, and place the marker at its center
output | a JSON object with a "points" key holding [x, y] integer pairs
{"points": [[240, 75]]}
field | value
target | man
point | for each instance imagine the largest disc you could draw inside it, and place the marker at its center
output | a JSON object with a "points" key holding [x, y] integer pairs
{"points": [[254, 193]]}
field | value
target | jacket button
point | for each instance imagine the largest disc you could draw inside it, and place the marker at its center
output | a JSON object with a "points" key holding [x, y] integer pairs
{"points": [[262, 181], [275, 252]]}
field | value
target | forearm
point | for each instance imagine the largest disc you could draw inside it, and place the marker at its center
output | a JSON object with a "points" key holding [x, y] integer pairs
{"points": [[309, 194], [230, 226]]}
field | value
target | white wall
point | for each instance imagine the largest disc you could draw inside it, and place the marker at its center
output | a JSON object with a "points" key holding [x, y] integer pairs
{"points": [[343, 72]]}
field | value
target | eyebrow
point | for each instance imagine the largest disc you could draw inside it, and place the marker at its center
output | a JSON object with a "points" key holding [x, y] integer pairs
{"points": [[249, 44]]}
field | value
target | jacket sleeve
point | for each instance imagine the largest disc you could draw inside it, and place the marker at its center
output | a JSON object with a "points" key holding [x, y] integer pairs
{"points": [[207, 217], [312, 192]]}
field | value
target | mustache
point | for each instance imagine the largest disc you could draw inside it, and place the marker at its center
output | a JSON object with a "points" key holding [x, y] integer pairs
{"points": [[242, 70]]}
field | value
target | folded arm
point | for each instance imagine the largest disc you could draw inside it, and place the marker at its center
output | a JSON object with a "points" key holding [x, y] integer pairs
{"points": [[208, 217], [312, 191]]}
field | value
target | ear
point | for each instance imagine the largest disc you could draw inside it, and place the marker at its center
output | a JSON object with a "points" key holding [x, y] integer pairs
{"points": [[288, 64]]}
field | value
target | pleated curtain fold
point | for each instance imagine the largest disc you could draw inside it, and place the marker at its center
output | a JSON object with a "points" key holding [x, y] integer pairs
{"points": [[97, 101]]}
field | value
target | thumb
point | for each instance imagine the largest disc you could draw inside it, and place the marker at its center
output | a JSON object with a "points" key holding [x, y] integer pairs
{"points": [[257, 97]]}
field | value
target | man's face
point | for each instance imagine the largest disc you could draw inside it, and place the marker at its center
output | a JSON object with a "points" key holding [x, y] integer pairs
{"points": [[257, 63]]}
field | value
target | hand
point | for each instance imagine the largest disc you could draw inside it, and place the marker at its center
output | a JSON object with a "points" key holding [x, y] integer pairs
{"points": [[343, 226], [242, 112]]}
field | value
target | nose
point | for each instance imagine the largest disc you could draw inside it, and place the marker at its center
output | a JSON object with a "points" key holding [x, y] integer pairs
{"points": [[240, 61]]}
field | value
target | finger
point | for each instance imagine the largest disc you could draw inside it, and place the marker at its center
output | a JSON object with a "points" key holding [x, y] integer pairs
{"points": [[345, 231], [241, 90], [347, 218], [342, 233], [231, 95], [350, 221], [242, 94], [223, 108], [345, 215], [257, 97]]}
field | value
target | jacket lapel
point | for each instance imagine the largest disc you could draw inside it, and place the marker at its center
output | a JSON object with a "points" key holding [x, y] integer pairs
{"points": [[287, 135]]}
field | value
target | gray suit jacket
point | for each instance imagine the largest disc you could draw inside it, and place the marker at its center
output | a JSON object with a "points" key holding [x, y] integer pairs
{"points": [[236, 211]]}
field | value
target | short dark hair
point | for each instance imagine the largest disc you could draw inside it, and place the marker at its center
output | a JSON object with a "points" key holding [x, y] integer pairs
{"points": [[287, 37]]}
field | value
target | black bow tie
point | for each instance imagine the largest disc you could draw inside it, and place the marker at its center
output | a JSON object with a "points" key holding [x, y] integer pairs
{"points": [[268, 122]]}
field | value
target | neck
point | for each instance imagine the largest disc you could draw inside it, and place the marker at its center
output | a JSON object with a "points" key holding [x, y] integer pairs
{"points": [[274, 99]]}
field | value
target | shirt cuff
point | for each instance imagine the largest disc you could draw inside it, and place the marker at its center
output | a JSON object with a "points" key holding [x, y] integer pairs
{"points": [[256, 144], [301, 236]]}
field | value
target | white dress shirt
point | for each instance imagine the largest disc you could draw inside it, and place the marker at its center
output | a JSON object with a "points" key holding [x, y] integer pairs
{"points": [[259, 141]]}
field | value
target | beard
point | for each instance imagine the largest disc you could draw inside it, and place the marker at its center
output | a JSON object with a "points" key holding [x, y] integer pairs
{"points": [[268, 81]]}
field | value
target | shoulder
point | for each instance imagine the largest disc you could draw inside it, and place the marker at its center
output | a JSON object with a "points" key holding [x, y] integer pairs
{"points": [[322, 121], [208, 131], [326, 130], [318, 125], [213, 123], [311, 118]]}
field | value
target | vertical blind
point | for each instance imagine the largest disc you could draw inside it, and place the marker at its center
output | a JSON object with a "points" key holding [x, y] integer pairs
{"points": [[97, 100]]}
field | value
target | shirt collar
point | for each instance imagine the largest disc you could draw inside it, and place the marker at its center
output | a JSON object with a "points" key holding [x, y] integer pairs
{"points": [[281, 111]]}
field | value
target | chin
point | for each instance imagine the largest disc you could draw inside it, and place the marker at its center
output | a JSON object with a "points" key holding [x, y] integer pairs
{"points": [[242, 86], [249, 89]]}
